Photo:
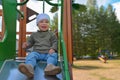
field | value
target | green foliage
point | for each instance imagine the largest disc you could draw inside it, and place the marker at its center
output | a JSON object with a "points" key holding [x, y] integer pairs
{"points": [[54, 23], [80, 7], [96, 28], [54, 9]]}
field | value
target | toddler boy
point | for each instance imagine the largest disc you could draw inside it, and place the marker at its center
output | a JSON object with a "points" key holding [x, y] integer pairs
{"points": [[44, 43]]}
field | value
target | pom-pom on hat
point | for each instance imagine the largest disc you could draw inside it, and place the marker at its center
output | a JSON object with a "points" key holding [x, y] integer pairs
{"points": [[41, 17]]}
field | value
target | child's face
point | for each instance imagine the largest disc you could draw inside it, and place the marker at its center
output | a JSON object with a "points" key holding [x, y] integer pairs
{"points": [[43, 25]]}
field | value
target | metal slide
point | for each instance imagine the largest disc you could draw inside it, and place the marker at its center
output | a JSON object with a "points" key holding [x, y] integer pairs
{"points": [[9, 71]]}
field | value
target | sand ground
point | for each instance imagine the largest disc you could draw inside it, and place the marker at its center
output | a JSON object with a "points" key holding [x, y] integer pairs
{"points": [[96, 70]]}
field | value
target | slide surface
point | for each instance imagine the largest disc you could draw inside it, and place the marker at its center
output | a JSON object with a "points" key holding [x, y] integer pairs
{"points": [[9, 71]]}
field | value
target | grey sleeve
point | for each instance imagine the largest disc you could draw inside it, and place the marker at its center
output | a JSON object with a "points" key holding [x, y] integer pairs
{"points": [[30, 41], [54, 42]]}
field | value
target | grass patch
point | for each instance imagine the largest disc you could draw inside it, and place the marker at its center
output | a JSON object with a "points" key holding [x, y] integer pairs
{"points": [[101, 77], [96, 70], [104, 78], [86, 67]]}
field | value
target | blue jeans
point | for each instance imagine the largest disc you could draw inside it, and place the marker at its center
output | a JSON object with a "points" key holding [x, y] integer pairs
{"points": [[33, 57]]}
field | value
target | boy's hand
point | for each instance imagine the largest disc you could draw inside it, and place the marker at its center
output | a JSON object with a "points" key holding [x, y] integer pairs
{"points": [[51, 51], [25, 45]]}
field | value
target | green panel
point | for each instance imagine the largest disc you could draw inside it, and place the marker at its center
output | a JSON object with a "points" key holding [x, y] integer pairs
{"points": [[8, 44]]}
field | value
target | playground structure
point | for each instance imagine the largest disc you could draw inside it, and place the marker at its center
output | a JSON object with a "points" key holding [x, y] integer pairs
{"points": [[8, 42], [102, 58]]}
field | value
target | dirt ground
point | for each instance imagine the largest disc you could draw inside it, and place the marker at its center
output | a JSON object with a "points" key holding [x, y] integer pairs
{"points": [[96, 70]]}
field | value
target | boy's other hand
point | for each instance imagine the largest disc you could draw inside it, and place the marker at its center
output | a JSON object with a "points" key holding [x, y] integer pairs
{"points": [[51, 51], [25, 45]]}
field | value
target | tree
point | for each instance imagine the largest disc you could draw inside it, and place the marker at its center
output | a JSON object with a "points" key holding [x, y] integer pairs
{"points": [[97, 28], [54, 22]]}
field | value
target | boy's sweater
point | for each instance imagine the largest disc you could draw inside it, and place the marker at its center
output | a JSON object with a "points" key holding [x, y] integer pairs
{"points": [[42, 41]]}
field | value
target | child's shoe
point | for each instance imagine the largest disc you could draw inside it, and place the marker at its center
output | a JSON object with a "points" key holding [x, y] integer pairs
{"points": [[52, 70], [26, 69]]}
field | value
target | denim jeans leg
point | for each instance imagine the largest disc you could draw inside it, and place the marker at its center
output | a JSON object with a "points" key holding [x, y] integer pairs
{"points": [[52, 58], [32, 58]]}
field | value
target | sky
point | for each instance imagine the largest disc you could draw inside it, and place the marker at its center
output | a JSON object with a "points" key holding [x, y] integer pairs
{"points": [[114, 3], [34, 4], [117, 9], [37, 6], [99, 2]]}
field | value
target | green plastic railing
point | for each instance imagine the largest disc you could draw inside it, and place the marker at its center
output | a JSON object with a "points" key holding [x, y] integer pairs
{"points": [[53, 4], [62, 42], [22, 3]]}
